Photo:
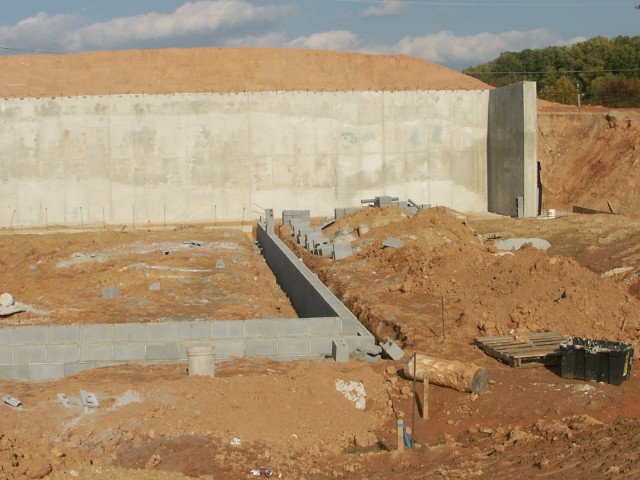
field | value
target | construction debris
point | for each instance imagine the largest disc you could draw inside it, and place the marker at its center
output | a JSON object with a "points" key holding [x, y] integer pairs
{"points": [[89, 399], [11, 401], [392, 349], [8, 305], [392, 242], [66, 403]]}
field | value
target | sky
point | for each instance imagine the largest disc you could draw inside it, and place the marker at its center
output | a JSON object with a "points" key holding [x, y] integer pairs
{"points": [[456, 34]]}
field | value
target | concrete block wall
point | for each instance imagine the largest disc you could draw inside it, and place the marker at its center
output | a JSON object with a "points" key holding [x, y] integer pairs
{"points": [[53, 352], [308, 295]]}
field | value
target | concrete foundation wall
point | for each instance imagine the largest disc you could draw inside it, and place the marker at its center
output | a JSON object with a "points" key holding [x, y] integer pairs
{"points": [[52, 352], [204, 157], [512, 150]]}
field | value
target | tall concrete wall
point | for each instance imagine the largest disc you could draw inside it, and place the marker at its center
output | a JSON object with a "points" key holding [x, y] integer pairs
{"points": [[204, 157], [512, 164]]}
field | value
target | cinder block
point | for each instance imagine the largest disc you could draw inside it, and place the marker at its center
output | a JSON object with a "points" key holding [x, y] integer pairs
{"points": [[392, 242], [129, 351], [163, 331], [6, 355], [63, 353], [96, 352], [7, 335], [14, 372], [195, 330], [342, 250], [260, 328], [130, 332], [99, 333], [229, 348], [325, 326], [349, 326], [294, 346], [339, 350], [29, 354], [392, 349], [31, 335], [71, 369], [293, 327], [163, 351], [46, 371], [227, 329], [260, 347], [64, 334], [321, 345]]}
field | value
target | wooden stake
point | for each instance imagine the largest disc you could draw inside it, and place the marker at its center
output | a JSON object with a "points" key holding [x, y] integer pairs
{"points": [[425, 400], [400, 434]]}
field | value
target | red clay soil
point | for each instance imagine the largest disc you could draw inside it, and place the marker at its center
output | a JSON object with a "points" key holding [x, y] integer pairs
{"points": [[176, 70]]}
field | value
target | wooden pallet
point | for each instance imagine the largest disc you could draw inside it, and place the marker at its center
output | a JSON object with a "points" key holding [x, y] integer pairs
{"points": [[528, 350]]}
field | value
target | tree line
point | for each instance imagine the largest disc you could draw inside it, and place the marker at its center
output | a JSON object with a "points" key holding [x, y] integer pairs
{"points": [[599, 71]]}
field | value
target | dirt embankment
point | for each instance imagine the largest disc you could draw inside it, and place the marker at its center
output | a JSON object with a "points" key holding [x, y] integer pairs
{"points": [[191, 70], [590, 157], [447, 282]]}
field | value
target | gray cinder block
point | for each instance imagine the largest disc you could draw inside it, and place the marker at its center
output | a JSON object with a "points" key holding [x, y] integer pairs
{"points": [[293, 327], [130, 332], [99, 333], [393, 242], [6, 355], [339, 350], [163, 331], [325, 326], [163, 351], [7, 335], [227, 329], [31, 335], [64, 334], [261, 328], [321, 345], [129, 351], [29, 354], [46, 371], [14, 372], [392, 349], [294, 346], [195, 330], [342, 250], [63, 353], [96, 352], [261, 347], [229, 348]]}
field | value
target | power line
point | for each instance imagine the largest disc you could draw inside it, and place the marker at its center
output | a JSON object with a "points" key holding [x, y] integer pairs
{"points": [[494, 4], [559, 71], [27, 51]]}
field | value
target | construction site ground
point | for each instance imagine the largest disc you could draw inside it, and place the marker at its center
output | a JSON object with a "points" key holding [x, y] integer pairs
{"points": [[156, 422]]}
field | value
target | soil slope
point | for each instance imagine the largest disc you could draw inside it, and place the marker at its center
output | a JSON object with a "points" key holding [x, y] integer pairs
{"points": [[220, 70]]}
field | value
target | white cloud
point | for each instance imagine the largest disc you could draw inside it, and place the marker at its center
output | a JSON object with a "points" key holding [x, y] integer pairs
{"points": [[40, 32], [272, 39], [388, 8], [332, 40], [447, 48], [192, 18]]}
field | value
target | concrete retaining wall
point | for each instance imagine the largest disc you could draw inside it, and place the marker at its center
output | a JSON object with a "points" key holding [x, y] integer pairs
{"points": [[512, 161], [52, 352], [202, 157]]}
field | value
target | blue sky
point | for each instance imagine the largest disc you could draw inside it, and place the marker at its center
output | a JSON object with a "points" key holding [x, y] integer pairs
{"points": [[452, 33]]}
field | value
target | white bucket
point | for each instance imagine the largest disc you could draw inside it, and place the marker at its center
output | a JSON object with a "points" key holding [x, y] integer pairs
{"points": [[551, 213], [201, 361]]}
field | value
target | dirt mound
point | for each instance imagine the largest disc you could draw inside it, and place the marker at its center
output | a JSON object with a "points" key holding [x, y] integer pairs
{"points": [[175, 70], [445, 270]]}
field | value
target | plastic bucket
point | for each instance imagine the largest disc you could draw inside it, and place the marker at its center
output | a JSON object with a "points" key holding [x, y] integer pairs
{"points": [[551, 213], [201, 361]]}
